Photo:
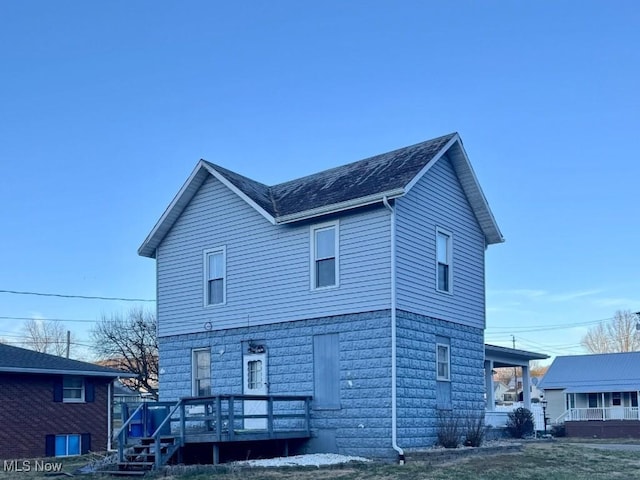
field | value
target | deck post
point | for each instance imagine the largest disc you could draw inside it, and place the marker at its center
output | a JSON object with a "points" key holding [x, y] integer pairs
{"points": [[182, 423], [216, 454], [231, 418], [307, 414], [286, 448], [218, 419], [270, 416]]}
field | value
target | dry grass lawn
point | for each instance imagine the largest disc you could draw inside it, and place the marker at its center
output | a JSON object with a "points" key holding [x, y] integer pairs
{"points": [[562, 460]]}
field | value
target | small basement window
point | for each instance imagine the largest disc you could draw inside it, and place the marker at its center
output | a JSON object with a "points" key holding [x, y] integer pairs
{"points": [[67, 445]]}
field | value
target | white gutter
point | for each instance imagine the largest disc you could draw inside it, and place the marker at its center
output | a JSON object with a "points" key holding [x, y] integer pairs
{"points": [[339, 207], [109, 433], [394, 397]]}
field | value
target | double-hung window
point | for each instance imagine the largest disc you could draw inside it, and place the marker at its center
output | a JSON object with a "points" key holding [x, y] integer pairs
{"points": [[202, 372], [325, 255], [73, 389], [215, 276], [443, 261], [443, 362]]}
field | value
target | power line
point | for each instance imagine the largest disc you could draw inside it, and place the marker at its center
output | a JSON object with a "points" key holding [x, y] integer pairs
{"points": [[84, 297], [51, 319]]}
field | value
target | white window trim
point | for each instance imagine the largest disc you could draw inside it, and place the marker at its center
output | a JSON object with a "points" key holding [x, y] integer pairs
{"points": [[205, 264], [312, 254], [442, 231], [73, 400], [194, 369], [438, 377]]}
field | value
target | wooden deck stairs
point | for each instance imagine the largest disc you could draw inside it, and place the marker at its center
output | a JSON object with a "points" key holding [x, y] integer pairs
{"points": [[142, 457]]}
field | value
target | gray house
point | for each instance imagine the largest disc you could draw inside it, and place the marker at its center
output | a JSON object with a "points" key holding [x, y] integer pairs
{"points": [[361, 286]]}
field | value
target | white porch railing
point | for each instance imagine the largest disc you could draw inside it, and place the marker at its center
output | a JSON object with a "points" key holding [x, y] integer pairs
{"points": [[608, 413], [500, 416]]}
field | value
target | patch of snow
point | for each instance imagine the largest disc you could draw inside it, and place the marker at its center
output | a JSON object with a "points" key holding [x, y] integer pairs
{"points": [[314, 460]]}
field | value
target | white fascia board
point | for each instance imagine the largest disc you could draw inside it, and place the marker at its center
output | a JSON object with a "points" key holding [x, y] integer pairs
{"points": [[82, 373], [240, 193], [431, 163], [471, 187], [489, 225], [339, 207], [179, 202]]}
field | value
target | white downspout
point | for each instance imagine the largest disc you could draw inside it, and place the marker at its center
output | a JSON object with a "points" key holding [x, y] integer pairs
{"points": [[394, 403], [109, 433]]}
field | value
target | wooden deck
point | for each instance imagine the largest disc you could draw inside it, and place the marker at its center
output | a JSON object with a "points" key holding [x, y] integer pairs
{"points": [[216, 419]]}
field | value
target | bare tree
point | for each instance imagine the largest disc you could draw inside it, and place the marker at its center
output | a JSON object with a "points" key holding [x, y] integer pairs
{"points": [[128, 342], [618, 335], [45, 337]]}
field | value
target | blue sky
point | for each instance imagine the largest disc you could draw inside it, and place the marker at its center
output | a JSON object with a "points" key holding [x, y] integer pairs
{"points": [[105, 108]]}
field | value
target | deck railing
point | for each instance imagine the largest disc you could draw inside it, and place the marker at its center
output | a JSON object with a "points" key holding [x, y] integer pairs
{"points": [[606, 413], [218, 418]]}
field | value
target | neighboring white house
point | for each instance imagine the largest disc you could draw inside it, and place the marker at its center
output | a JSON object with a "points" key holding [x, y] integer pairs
{"points": [[595, 393]]}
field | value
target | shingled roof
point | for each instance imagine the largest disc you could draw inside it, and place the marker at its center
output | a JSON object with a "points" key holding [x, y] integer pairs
{"points": [[605, 372], [356, 184], [20, 360]]}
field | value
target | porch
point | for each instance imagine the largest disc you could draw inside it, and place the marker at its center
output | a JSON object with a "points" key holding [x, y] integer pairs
{"points": [[503, 357], [155, 432]]}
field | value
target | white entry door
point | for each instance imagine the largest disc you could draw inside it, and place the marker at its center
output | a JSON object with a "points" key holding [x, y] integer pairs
{"points": [[255, 383]]}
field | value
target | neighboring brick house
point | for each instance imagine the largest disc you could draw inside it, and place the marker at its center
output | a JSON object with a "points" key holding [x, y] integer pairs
{"points": [[362, 286], [52, 406]]}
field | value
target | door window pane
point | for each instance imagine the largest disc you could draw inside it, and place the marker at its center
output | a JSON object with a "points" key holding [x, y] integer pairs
{"points": [[254, 374]]}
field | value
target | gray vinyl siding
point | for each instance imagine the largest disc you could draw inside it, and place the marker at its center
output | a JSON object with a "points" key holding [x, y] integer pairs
{"points": [[267, 266], [437, 200]]}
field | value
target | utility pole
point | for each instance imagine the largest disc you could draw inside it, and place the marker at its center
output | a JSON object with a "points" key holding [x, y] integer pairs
{"points": [[515, 371]]}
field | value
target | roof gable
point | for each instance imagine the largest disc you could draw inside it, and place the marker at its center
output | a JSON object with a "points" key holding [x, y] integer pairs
{"points": [[20, 360], [356, 184], [598, 372]]}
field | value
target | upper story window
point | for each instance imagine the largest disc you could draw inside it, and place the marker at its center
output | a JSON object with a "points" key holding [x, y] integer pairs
{"points": [[215, 276], [443, 362], [325, 255], [72, 389], [443, 260]]}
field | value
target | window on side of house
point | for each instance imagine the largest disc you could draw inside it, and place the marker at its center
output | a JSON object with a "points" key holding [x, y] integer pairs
{"points": [[73, 389], [67, 445], [215, 272], [443, 261], [443, 362], [201, 378], [325, 259]]}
